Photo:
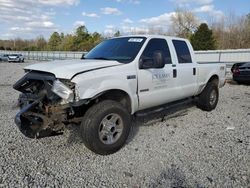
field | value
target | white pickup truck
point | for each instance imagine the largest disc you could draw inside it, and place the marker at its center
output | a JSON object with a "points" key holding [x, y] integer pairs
{"points": [[119, 78]]}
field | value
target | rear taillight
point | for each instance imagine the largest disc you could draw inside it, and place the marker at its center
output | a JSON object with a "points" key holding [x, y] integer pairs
{"points": [[236, 71]]}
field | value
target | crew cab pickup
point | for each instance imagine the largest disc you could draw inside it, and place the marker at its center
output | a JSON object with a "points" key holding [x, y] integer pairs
{"points": [[119, 78]]}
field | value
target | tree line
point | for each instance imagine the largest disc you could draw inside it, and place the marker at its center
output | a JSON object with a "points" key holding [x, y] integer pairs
{"points": [[231, 32], [81, 40]]}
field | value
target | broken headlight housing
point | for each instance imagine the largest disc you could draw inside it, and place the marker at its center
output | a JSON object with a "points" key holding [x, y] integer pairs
{"points": [[63, 91]]}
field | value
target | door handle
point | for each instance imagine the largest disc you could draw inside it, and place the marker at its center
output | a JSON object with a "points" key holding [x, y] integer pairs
{"points": [[194, 71], [174, 73]]}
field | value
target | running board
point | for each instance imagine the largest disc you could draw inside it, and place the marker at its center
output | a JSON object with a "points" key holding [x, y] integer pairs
{"points": [[167, 106]]}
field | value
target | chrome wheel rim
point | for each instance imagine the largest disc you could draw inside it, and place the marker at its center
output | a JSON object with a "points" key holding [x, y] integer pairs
{"points": [[213, 97], [110, 129]]}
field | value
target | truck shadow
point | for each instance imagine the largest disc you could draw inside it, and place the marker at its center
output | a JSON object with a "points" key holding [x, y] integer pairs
{"points": [[137, 122], [232, 82], [152, 118], [74, 134], [174, 176], [171, 177]]}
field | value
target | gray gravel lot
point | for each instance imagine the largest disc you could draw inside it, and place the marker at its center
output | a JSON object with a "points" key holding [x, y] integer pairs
{"points": [[189, 148]]}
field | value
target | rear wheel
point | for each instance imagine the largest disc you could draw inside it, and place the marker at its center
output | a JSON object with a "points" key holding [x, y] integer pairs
{"points": [[208, 99], [105, 127]]}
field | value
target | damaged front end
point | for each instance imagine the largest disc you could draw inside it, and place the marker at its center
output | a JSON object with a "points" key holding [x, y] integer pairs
{"points": [[45, 104]]}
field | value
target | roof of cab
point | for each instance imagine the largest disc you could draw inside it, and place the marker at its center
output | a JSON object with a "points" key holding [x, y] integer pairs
{"points": [[152, 36]]}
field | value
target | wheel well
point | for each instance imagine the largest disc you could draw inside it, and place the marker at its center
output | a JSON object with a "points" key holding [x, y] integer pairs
{"points": [[214, 79], [116, 95]]}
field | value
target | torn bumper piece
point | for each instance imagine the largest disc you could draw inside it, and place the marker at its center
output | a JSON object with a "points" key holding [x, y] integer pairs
{"points": [[34, 125]]}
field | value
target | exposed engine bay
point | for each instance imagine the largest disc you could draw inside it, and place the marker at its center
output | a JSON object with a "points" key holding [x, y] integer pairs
{"points": [[47, 104]]}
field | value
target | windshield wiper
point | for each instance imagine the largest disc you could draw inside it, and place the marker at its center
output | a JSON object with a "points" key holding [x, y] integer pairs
{"points": [[104, 58], [101, 58]]}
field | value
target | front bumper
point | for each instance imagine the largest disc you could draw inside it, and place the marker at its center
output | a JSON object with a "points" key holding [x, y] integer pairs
{"points": [[34, 125], [42, 113], [14, 60], [25, 128]]}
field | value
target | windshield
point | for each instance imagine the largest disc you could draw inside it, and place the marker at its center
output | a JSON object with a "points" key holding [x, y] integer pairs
{"points": [[123, 49]]}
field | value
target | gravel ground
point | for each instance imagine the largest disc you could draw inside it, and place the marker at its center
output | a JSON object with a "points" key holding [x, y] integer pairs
{"points": [[189, 148]]}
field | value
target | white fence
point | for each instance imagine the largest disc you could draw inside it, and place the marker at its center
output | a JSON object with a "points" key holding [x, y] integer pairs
{"points": [[46, 55], [227, 56], [224, 56]]}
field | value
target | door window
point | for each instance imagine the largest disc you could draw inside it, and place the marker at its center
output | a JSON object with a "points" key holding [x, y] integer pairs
{"points": [[182, 51], [156, 45]]}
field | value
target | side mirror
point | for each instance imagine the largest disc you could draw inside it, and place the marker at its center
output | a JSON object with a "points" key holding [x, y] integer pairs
{"points": [[157, 62], [83, 56]]}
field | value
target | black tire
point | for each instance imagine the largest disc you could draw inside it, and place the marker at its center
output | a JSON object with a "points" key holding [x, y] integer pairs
{"points": [[205, 100], [92, 121]]}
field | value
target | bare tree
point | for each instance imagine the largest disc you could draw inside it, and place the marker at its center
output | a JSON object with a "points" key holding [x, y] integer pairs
{"points": [[184, 23], [232, 32], [41, 43]]}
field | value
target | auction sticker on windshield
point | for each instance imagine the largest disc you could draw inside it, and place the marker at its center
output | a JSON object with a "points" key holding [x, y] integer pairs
{"points": [[135, 40]]}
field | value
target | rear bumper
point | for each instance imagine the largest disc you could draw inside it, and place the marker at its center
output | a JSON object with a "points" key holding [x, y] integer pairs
{"points": [[241, 78]]}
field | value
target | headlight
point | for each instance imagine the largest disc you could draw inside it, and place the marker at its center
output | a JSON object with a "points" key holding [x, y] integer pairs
{"points": [[63, 91]]}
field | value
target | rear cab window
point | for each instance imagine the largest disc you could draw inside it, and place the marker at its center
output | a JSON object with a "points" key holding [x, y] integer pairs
{"points": [[182, 51], [155, 45]]}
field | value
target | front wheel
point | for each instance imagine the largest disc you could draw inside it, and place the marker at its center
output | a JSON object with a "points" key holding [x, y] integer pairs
{"points": [[105, 127], [209, 97]]}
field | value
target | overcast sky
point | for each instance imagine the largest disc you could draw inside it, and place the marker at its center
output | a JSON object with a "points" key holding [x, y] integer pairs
{"points": [[30, 18]]}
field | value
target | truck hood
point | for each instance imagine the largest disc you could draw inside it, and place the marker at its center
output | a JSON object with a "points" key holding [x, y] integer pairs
{"points": [[67, 69]]}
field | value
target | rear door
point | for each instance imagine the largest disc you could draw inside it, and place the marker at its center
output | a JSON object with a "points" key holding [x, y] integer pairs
{"points": [[156, 86], [185, 69]]}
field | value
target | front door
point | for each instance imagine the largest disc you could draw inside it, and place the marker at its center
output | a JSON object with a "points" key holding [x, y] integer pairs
{"points": [[157, 86]]}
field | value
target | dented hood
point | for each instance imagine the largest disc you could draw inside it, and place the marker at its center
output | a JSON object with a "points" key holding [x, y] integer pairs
{"points": [[67, 69]]}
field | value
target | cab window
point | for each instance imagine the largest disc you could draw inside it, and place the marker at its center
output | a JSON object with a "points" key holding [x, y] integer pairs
{"points": [[182, 51], [156, 45]]}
